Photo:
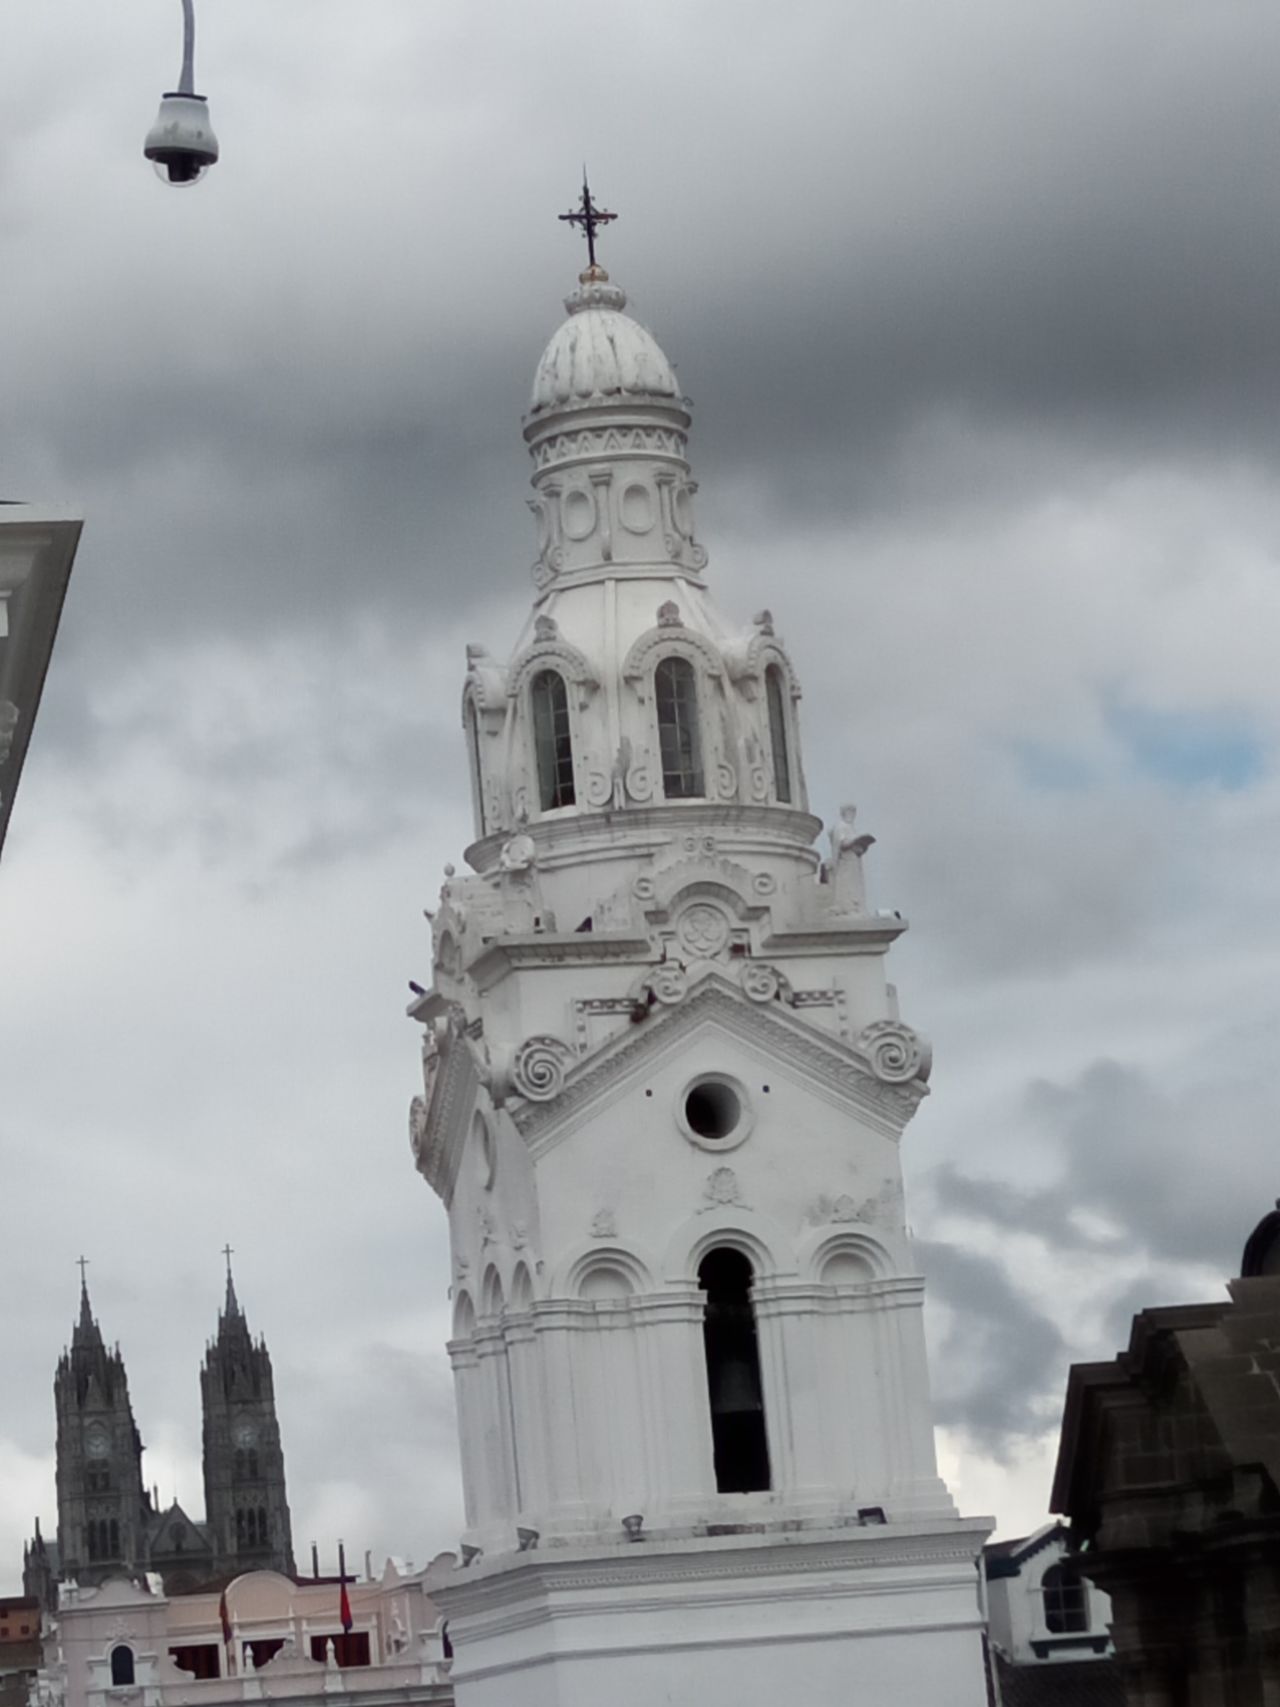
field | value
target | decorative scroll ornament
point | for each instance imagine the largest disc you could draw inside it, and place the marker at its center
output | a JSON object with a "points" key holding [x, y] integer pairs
{"points": [[897, 1054], [760, 983], [538, 1068], [764, 883], [703, 930], [669, 983], [644, 888]]}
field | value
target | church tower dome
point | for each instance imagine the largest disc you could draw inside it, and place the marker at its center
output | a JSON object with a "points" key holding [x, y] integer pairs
{"points": [[599, 352]]}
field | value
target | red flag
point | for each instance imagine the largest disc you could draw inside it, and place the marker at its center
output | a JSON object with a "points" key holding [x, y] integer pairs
{"points": [[225, 1616], [344, 1605]]}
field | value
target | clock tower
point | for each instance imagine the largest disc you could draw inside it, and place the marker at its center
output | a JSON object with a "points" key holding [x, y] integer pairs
{"points": [[102, 1510], [666, 1083], [246, 1507]]}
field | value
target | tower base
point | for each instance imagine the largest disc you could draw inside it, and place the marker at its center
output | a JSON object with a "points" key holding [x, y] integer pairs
{"points": [[887, 1616]]}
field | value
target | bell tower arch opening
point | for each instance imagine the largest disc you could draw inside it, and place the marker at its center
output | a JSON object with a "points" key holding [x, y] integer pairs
{"points": [[734, 1388]]}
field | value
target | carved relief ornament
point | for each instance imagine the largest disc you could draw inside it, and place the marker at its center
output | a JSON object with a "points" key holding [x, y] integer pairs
{"points": [[896, 1053]]}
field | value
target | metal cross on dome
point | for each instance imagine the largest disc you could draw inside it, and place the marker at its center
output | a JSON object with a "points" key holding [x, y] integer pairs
{"points": [[589, 217]]}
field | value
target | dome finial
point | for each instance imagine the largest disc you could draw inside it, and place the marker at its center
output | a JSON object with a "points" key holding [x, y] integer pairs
{"points": [[590, 218], [233, 1303]]}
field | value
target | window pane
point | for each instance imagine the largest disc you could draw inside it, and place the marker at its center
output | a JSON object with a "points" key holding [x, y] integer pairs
{"points": [[1065, 1606], [676, 693], [552, 742], [778, 733]]}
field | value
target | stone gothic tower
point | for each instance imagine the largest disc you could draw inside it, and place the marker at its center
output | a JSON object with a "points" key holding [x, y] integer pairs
{"points": [[102, 1511], [665, 1086], [246, 1508]]}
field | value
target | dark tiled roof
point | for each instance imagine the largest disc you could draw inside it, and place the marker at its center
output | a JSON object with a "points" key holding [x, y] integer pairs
{"points": [[1006, 1558], [1060, 1683]]}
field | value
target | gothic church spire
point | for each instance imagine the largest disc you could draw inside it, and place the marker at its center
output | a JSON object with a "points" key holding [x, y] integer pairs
{"points": [[246, 1504]]}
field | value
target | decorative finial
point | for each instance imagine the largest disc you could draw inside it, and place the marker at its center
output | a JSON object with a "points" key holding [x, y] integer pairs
{"points": [[590, 218], [86, 1310], [232, 1305]]}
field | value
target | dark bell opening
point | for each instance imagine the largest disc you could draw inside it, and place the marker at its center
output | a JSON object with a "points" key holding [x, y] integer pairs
{"points": [[734, 1387], [712, 1110]]}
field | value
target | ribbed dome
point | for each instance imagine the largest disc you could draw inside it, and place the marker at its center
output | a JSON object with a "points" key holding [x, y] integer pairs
{"points": [[600, 352]]}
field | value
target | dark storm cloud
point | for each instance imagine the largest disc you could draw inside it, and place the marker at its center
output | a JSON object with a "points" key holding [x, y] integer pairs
{"points": [[1000, 1354], [1018, 1209], [1039, 223], [1143, 1165]]}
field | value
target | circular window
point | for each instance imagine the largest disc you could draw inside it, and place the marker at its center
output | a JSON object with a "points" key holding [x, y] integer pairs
{"points": [[714, 1112]]}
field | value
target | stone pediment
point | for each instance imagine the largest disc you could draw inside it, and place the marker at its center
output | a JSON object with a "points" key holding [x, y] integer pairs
{"points": [[880, 1076]]}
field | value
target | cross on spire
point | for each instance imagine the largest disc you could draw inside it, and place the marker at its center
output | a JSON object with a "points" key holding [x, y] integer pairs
{"points": [[82, 1263], [589, 217], [228, 1253]]}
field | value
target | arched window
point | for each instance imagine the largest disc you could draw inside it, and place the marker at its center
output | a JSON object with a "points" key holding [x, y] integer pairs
{"points": [[122, 1667], [114, 1540], [733, 1374], [242, 1539], [262, 1526], [472, 721], [773, 693], [1066, 1604], [675, 691], [552, 742], [253, 1463]]}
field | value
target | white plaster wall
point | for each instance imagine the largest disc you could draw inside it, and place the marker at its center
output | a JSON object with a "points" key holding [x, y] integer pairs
{"points": [[590, 1400], [836, 1629]]}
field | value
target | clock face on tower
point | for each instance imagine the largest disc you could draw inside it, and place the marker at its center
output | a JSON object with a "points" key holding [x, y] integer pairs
{"points": [[96, 1444], [246, 1435]]}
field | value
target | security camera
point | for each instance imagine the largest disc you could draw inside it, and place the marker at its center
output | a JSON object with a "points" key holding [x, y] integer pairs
{"points": [[181, 143]]}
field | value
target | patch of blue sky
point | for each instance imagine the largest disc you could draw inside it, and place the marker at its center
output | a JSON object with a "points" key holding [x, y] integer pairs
{"points": [[1055, 770], [1189, 749]]}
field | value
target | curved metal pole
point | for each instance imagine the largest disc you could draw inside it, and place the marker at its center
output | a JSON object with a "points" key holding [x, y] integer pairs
{"points": [[187, 79]]}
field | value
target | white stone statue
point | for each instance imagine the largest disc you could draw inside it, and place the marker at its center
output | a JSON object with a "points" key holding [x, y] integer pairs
{"points": [[849, 890], [518, 853], [518, 881]]}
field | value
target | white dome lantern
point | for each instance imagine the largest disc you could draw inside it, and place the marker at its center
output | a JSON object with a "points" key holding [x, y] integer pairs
{"points": [[600, 353]]}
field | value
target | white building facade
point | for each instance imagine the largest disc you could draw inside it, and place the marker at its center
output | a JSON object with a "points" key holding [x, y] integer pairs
{"points": [[123, 1643], [665, 1085]]}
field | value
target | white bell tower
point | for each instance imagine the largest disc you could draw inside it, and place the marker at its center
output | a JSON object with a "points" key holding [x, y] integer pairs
{"points": [[665, 1085]]}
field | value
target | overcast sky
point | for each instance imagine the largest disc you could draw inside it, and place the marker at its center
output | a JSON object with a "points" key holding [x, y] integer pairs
{"points": [[976, 301]]}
